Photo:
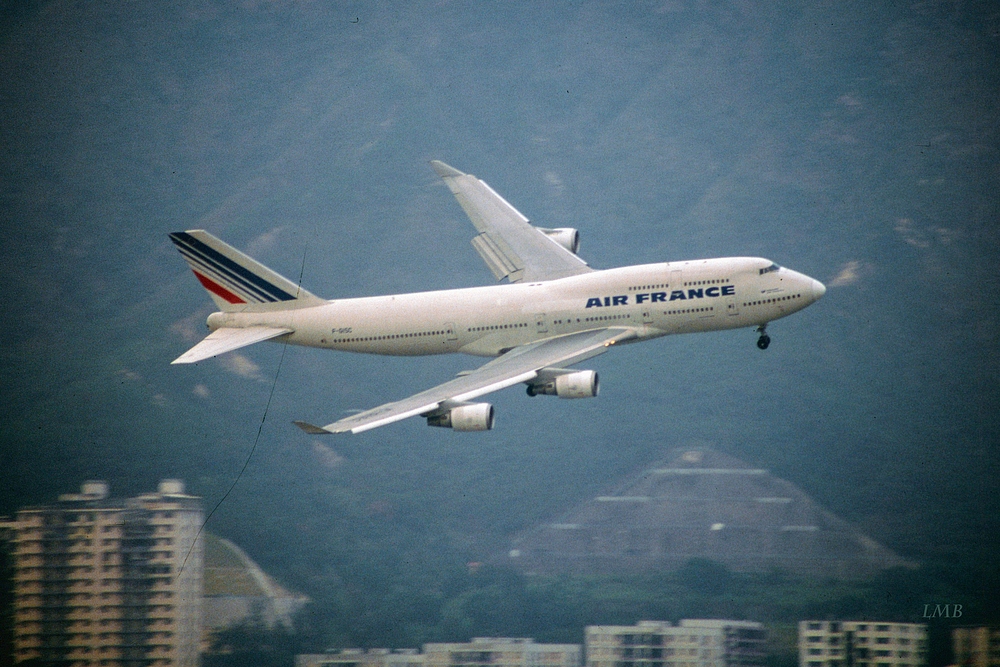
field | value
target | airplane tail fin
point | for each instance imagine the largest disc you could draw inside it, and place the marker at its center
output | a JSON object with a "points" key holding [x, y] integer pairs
{"points": [[235, 281]]}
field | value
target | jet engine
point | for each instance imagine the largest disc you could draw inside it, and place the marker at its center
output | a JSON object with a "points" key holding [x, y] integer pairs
{"points": [[567, 237], [472, 417], [580, 384]]}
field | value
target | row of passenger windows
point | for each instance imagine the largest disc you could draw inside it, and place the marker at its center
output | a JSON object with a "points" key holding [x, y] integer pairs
{"points": [[690, 283], [499, 326], [706, 282], [688, 310], [365, 339], [775, 300], [621, 316]]}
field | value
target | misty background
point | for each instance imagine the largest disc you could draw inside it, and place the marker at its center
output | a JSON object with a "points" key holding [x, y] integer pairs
{"points": [[855, 142]]}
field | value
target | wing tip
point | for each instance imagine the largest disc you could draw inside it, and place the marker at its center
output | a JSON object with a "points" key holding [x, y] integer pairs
{"points": [[445, 171], [312, 429]]}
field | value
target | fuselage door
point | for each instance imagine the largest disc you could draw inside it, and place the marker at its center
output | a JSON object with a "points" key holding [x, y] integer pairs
{"points": [[541, 323], [451, 331], [676, 279], [732, 306]]}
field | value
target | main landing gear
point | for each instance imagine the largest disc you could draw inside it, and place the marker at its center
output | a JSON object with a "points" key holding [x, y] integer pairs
{"points": [[764, 339]]}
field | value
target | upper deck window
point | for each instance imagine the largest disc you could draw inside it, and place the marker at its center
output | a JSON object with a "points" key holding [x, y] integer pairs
{"points": [[773, 267]]}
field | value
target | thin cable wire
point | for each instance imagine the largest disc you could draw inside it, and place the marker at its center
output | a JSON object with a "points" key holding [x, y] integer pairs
{"points": [[246, 463], [260, 429]]}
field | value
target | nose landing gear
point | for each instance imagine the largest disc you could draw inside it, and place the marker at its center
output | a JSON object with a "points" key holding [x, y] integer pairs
{"points": [[764, 339]]}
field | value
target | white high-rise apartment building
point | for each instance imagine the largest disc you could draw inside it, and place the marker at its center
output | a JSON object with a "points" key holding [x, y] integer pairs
{"points": [[116, 582], [862, 644]]}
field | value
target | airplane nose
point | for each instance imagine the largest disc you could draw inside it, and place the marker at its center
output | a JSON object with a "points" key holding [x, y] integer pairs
{"points": [[818, 289]]}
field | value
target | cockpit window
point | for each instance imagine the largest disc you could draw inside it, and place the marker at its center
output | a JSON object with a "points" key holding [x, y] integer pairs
{"points": [[773, 267]]}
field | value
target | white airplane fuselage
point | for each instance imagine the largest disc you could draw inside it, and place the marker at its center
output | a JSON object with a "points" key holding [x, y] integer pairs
{"points": [[651, 300]]}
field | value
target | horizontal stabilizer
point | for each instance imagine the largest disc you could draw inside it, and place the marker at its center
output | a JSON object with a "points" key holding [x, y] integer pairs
{"points": [[228, 339]]}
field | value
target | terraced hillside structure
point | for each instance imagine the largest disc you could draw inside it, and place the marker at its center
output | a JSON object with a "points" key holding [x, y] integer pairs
{"points": [[698, 503], [238, 591]]}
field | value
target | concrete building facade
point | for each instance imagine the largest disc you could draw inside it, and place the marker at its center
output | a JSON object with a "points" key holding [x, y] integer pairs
{"points": [[358, 657], [502, 652], [101, 581], [480, 652], [862, 644], [976, 646], [692, 643]]}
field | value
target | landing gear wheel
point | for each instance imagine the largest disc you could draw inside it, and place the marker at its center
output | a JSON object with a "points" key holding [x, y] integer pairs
{"points": [[764, 339]]}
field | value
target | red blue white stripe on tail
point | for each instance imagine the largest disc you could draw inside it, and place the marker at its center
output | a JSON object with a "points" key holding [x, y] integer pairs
{"points": [[233, 279]]}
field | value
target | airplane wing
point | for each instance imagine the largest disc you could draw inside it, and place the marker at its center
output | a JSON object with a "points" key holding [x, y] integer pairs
{"points": [[511, 247], [518, 365]]}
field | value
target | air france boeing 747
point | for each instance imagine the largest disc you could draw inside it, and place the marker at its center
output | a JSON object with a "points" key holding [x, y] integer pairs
{"points": [[553, 313]]}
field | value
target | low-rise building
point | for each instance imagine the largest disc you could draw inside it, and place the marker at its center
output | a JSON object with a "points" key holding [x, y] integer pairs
{"points": [[862, 644], [691, 643], [502, 652], [357, 657], [480, 652], [976, 646]]}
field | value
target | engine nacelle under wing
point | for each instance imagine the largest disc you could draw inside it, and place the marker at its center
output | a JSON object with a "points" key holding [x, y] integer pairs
{"points": [[567, 237], [472, 417], [581, 384]]}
